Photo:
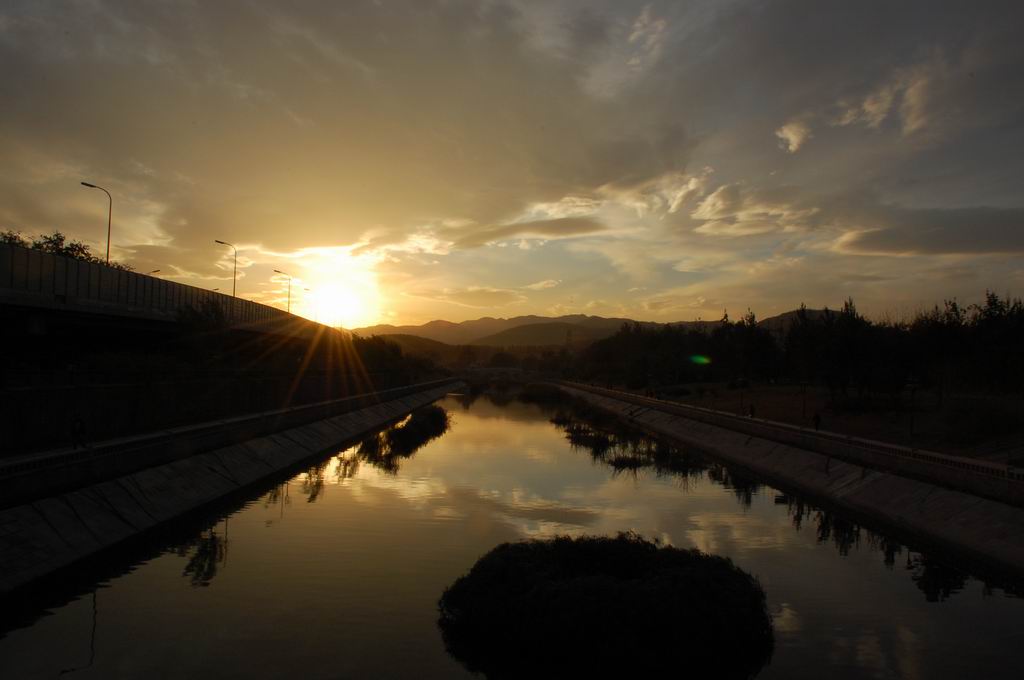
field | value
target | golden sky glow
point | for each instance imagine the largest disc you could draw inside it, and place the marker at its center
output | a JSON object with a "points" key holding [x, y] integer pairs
{"points": [[411, 160], [336, 288]]}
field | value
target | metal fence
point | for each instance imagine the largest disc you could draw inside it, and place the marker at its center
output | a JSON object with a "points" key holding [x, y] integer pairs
{"points": [[50, 280]]}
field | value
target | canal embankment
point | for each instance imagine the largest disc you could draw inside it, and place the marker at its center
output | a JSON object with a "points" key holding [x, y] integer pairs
{"points": [[959, 520], [139, 484]]}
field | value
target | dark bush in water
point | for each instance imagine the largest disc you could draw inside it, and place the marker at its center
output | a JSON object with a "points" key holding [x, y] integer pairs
{"points": [[598, 606], [386, 448]]}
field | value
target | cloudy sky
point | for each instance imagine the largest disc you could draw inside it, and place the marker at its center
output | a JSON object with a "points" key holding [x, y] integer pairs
{"points": [[411, 160]]}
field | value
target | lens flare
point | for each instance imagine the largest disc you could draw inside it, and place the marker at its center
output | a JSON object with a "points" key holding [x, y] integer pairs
{"points": [[700, 359]]}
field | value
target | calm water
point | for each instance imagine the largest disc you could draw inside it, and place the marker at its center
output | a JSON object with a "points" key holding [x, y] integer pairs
{"points": [[336, 572]]}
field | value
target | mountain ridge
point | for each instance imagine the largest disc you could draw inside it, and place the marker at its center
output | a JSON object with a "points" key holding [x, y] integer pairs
{"points": [[541, 330]]}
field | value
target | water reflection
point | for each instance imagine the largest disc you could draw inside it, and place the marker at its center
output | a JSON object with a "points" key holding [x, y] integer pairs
{"points": [[279, 496], [313, 481], [92, 640], [386, 449], [361, 544], [205, 553], [628, 451], [741, 484], [936, 580], [623, 449]]}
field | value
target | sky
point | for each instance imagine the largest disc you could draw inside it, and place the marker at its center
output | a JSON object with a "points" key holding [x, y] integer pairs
{"points": [[412, 160]]}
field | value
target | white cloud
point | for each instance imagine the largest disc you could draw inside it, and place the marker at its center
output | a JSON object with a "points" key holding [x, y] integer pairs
{"points": [[667, 193], [567, 206], [909, 93], [629, 54], [736, 228], [646, 38], [737, 210], [793, 134], [543, 285]]}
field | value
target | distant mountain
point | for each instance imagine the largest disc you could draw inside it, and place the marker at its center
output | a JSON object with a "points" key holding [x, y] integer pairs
{"points": [[780, 324], [546, 334], [463, 333], [441, 331], [531, 330], [471, 332]]}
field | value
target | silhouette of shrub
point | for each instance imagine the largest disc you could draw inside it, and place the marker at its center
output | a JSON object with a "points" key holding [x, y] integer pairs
{"points": [[425, 424], [386, 449], [599, 606]]}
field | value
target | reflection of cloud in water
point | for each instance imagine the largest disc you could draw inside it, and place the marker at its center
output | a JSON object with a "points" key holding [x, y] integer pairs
{"points": [[868, 652], [785, 620], [417, 491], [541, 454], [879, 656], [446, 513], [541, 511], [525, 480], [543, 516], [909, 655], [725, 533]]}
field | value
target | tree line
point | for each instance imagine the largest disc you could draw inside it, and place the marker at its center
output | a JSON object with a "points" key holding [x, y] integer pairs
{"points": [[57, 244], [978, 347]]}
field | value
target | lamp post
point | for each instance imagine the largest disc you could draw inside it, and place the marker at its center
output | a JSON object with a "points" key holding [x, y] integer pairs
{"points": [[110, 212], [234, 271], [278, 271]]}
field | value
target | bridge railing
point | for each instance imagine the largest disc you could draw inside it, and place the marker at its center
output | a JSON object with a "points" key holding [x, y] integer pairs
{"points": [[981, 477], [44, 279]]}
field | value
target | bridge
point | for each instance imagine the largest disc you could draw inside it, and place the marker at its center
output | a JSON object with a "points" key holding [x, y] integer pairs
{"points": [[92, 352], [35, 280]]}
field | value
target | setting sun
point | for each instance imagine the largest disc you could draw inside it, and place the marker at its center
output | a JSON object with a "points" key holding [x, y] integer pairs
{"points": [[338, 304], [339, 289]]}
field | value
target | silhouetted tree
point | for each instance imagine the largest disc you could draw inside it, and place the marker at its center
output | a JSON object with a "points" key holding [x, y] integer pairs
{"points": [[57, 244]]}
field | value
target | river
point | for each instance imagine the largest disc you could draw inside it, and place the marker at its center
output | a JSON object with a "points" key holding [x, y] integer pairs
{"points": [[335, 571]]}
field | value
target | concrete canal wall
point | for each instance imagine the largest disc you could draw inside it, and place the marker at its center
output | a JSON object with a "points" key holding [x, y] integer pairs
{"points": [[40, 537], [39, 475], [983, 530]]}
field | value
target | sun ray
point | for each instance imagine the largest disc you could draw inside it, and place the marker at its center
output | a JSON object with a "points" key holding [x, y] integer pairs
{"points": [[337, 288]]}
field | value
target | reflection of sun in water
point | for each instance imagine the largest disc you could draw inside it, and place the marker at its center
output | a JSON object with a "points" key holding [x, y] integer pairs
{"points": [[342, 289]]}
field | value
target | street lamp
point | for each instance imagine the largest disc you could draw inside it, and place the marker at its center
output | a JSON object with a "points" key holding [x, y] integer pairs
{"points": [[278, 271], [234, 271], [110, 212], [155, 271]]}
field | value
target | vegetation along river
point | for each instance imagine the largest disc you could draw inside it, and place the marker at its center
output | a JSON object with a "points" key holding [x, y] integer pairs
{"points": [[335, 571]]}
